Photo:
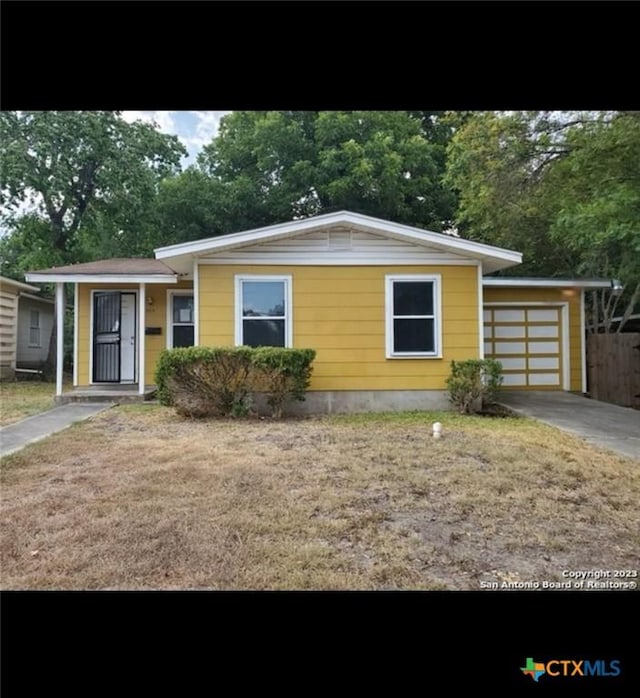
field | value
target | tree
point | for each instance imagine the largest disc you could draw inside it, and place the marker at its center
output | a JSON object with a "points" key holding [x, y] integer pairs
{"points": [[561, 188], [77, 169], [276, 166]]}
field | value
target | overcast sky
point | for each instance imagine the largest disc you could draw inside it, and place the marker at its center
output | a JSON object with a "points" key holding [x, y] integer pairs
{"points": [[193, 128]]}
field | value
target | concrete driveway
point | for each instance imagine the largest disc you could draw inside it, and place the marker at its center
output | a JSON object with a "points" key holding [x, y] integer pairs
{"points": [[610, 426]]}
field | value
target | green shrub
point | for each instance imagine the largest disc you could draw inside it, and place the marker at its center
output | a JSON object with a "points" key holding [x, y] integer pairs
{"points": [[282, 374], [473, 384], [203, 381]]}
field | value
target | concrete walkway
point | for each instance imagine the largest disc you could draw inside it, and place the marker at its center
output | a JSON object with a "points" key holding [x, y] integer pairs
{"points": [[16, 436], [609, 426]]}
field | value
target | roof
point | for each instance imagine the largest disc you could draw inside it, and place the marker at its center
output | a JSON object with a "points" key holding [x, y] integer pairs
{"points": [[39, 299], [522, 282], [493, 258], [17, 285], [127, 269]]}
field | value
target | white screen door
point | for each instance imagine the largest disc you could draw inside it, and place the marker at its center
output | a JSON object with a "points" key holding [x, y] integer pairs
{"points": [[127, 337]]}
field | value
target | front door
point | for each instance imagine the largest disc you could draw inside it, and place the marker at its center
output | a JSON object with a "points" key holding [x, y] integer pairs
{"points": [[114, 337]]}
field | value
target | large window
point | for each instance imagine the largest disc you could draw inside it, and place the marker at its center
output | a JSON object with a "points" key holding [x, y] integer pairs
{"points": [[413, 316], [180, 319], [34, 328], [263, 311]]}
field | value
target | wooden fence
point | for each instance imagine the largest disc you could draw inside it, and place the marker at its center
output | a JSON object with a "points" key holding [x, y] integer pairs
{"points": [[613, 368]]}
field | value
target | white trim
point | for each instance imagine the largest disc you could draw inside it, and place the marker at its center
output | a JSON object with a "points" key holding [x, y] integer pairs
{"points": [[59, 335], [288, 314], [105, 278], [92, 292], [343, 218], [169, 319], [564, 328], [566, 348], [389, 280], [141, 343], [583, 344], [76, 330], [330, 259], [196, 304], [547, 283], [480, 314], [543, 303]]}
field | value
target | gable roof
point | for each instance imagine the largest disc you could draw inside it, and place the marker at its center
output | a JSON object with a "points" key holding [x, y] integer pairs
{"points": [[125, 269], [493, 258]]}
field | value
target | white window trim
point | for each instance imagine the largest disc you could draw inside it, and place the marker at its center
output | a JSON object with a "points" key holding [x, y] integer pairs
{"points": [[390, 279], [288, 314], [38, 344], [170, 294]]}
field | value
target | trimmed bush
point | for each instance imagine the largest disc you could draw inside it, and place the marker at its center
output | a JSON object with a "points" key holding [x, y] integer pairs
{"points": [[473, 384], [204, 381], [282, 374]]}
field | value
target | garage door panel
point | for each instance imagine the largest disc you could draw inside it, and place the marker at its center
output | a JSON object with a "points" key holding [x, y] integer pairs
{"points": [[543, 315], [544, 379], [508, 316], [528, 343], [543, 331], [509, 331], [512, 364], [510, 348], [544, 362], [543, 347], [514, 379]]}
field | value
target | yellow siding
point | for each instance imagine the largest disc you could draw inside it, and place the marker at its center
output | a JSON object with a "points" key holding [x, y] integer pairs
{"points": [[340, 312], [550, 295], [156, 316]]}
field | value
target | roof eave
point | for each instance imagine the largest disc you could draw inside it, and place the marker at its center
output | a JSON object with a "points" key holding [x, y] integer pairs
{"points": [[547, 283], [103, 278], [377, 226]]}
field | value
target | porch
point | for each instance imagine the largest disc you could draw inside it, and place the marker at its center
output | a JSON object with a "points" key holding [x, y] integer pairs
{"points": [[118, 393]]}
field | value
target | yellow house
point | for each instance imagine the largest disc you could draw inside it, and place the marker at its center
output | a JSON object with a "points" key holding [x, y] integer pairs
{"points": [[386, 307]]}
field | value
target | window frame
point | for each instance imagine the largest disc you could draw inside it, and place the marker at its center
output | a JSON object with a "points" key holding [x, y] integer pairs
{"points": [[390, 280], [32, 327], [171, 294], [288, 311]]}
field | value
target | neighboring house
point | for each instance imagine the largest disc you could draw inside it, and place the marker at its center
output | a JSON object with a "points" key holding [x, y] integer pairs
{"points": [[26, 321], [386, 306]]}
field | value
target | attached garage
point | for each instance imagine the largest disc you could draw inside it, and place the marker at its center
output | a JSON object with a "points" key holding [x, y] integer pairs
{"points": [[528, 340], [535, 328]]}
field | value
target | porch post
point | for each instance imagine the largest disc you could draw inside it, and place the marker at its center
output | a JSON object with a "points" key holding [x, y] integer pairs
{"points": [[142, 306], [76, 317], [59, 335]]}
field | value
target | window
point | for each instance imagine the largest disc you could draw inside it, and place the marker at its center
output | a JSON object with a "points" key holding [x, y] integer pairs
{"points": [[413, 316], [180, 320], [34, 329], [263, 311]]}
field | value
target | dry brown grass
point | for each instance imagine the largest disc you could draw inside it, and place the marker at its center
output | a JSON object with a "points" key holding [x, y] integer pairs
{"points": [[21, 399], [137, 498]]}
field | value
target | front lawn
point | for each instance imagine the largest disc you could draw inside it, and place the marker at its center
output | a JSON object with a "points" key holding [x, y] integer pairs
{"points": [[20, 399], [137, 498]]}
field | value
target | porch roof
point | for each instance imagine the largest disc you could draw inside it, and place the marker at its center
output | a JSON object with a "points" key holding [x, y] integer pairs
{"points": [[117, 270]]}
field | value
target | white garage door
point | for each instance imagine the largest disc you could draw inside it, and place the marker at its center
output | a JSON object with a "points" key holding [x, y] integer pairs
{"points": [[528, 343]]}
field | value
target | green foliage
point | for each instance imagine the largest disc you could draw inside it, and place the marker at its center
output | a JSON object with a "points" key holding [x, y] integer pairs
{"points": [[564, 189], [202, 381], [473, 384], [281, 165], [282, 374], [79, 169]]}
